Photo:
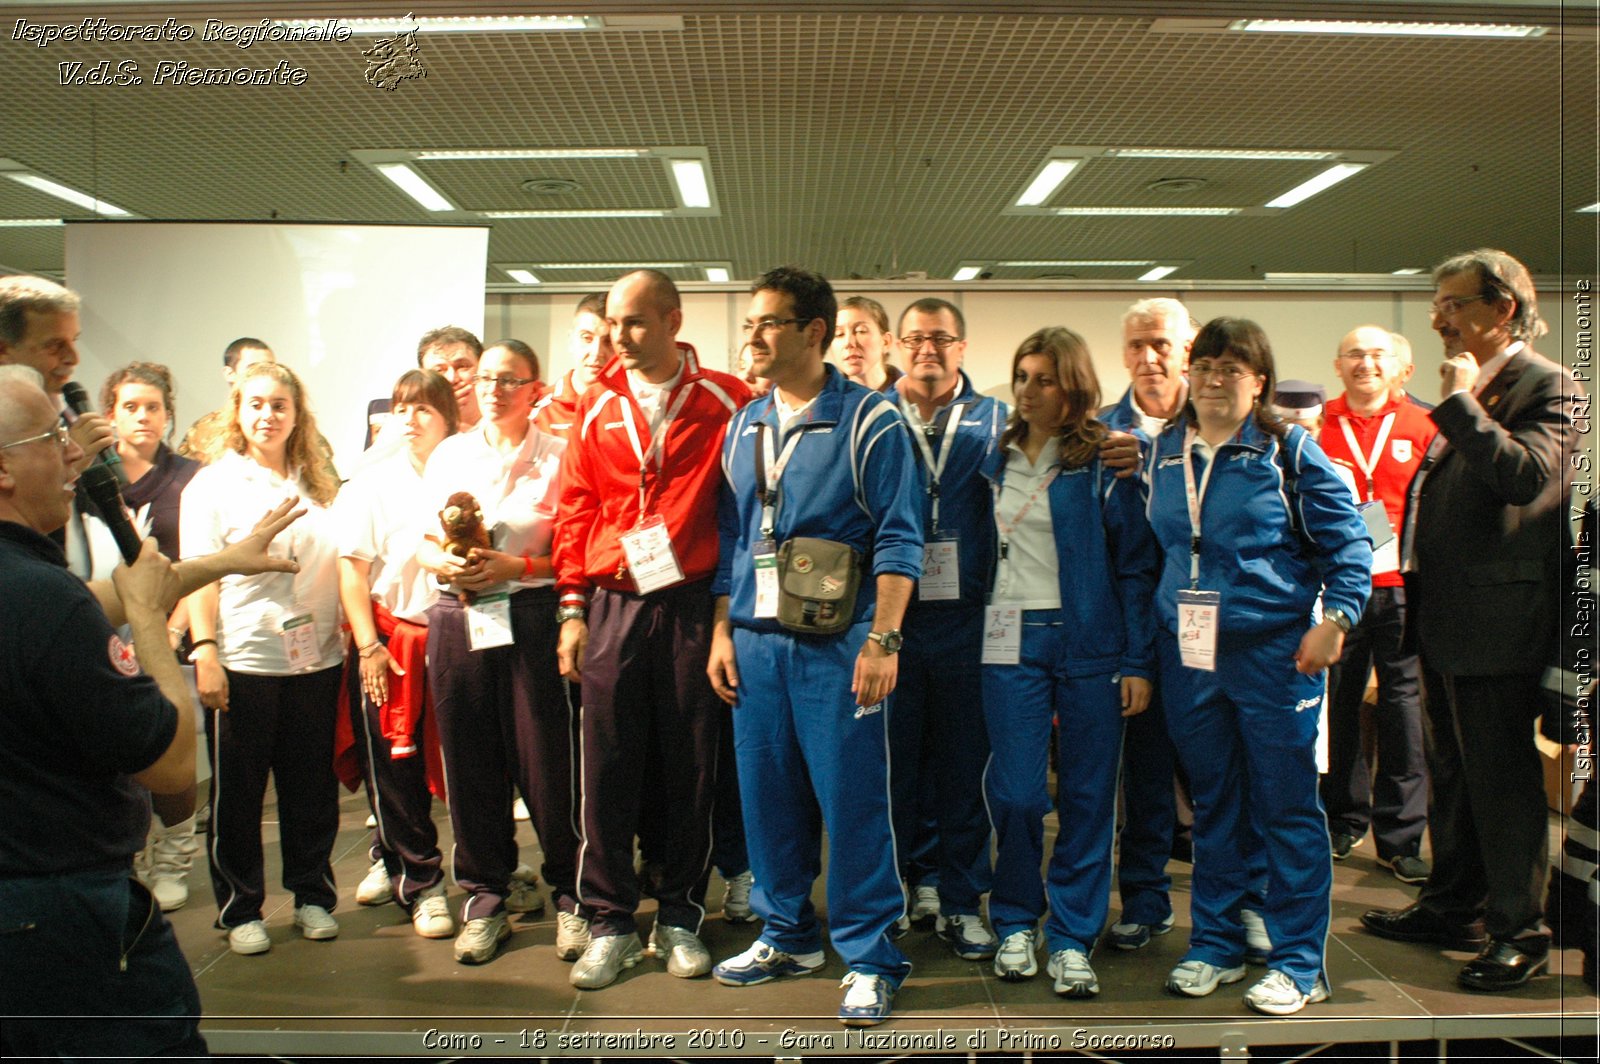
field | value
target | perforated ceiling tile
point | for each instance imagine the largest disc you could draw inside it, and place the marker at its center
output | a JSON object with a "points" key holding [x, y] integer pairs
{"points": [[852, 138]]}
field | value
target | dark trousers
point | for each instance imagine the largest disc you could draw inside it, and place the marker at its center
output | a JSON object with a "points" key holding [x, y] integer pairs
{"points": [[938, 748], [1395, 803], [1491, 844], [646, 698], [405, 838], [282, 725], [1149, 816], [504, 718], [728, 850], [90, 968]]}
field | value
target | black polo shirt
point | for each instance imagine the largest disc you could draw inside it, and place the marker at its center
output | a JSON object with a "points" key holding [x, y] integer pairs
{"points": [[77, 717]]}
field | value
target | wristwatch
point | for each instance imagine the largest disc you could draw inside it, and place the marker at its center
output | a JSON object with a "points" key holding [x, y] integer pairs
{"points": [[571, 613], [891, 641], [1340, 618]]}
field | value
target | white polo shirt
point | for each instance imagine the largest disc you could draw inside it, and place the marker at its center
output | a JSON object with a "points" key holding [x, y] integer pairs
{"points": [[1028, 577], [517, 492], [220, 506], [380, 517]]}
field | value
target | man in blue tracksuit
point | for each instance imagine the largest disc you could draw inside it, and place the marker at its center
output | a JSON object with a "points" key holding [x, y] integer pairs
{"points": [[937, 734], [824, 458]]}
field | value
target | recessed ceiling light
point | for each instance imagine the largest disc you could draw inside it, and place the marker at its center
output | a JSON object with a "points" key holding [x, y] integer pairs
{"points": [[631, 213], [967, 273], [67, 193], [30, 223], [693, 188], [609, 265], [1385, 29], [522, 276], [1044, 185], [1221, 153], [368, 27], [1076, 262], [719, 274], [1158, 273], [1321, 183], [532, 153], [1199, 212], [1408, 271], [414, 185], [1593, 208]]}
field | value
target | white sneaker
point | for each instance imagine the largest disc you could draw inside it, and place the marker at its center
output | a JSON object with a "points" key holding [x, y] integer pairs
{"points": [[687, 957], [1074, 978], [924, 906], [249, 939], [171, 855], [1257, 943], [375, 888], [1276, 995], [967, 936], [316, 923], [481, 938], [868, 999], [519, 810], [372, 820], [604, 960], [572, 935], [524, 895], [1015, 959], [736, 899], [1197, 978], [430, 915]]}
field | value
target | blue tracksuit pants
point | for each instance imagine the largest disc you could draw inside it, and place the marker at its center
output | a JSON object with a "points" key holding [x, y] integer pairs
{"points": [[1019, 702], [810, 759], [1149, 816], [1246, 734], [940, 746]]}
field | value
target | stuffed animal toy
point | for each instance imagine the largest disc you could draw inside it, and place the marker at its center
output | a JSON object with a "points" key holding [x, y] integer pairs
{"points": [[464, 534]]}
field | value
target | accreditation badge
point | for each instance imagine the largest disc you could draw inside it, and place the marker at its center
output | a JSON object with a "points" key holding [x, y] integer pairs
{"points": [[489, 621], [941, 570], [1002, 635], [764, 553], [651, 559], [299, 635], [1197, 628]]}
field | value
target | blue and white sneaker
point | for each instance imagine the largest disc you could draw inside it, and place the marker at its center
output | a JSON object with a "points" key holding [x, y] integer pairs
{"points": [[868, 1000], [968, 937], [1137, 936], [762, 963]]}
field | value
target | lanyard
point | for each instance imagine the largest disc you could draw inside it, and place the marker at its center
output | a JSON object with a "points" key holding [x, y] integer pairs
{"points": [[922, 434], [1016, 519], [1367, 462], [1195, 498], [764, 462], [658, 438]]}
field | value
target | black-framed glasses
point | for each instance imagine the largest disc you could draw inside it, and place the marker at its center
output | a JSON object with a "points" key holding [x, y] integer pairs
{"points": [[771, 323], [502, 384], [941, 341], [1449, 305], [1230, 372], [59, 433]]}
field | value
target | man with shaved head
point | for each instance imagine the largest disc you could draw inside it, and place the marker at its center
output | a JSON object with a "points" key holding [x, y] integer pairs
{"points": [[635, 550], [1377, 435]]}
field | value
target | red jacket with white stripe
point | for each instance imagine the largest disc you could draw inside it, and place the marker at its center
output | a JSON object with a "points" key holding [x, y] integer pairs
{"points": [[1393, 467], [557, 411], [600, 477]]}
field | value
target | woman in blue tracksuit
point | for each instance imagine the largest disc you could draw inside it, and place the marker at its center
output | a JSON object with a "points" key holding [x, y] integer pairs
{"points": [[1068, 635], [1276, 528]]}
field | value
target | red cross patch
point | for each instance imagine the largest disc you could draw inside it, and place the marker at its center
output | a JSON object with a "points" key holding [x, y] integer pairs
{"points": [[123, 659]]}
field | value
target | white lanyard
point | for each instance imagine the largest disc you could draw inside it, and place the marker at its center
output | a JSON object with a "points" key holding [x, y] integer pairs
{"points": [[1016, 519], [939, 426], [768, 493], [1367, 462], [1195, 498], [658, 438]]}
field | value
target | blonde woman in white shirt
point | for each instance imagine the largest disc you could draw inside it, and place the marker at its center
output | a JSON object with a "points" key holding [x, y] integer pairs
{"points": [[499, 702], [267, 656]]}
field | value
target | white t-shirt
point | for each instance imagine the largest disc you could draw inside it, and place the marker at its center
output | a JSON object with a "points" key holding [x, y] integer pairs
{"points": [[516, 491], [380, 517], [1028, 577], [223, 502]]}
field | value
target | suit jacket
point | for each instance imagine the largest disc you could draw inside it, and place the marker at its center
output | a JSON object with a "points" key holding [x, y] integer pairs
{"points": [[1489, 530]]}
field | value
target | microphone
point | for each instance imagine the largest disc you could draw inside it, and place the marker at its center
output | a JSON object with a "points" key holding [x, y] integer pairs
{"points": [[78, 400], [100, 484]]}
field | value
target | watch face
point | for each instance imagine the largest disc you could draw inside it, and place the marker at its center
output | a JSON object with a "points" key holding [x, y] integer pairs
{"points": [[891, 641]]}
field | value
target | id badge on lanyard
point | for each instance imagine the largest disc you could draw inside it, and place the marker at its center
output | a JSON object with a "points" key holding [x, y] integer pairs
{"points": [[299, 637], [764, 553], [651, 559], [941, 557], [1199, 612], [1002, 635], [489, 621], [941, 570]]}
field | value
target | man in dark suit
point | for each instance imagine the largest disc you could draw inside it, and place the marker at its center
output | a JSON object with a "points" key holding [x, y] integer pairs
{"points": [[1483, 545]]}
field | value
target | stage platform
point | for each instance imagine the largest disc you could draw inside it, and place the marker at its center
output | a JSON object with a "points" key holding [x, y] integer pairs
{"points": [[378, 989]]}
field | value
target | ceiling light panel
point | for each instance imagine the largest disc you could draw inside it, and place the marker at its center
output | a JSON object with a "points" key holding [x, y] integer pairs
{"points": [[59, 190], [1385, 29], [1333, 175], [414, 185], [1047, 181]]}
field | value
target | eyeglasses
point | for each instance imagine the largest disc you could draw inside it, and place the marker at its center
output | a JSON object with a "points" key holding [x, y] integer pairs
{"points": [[1230, 372], [1361, 354], [941, 342], [502, 384], [771, 323], [1448, 306], [59, 434]]}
